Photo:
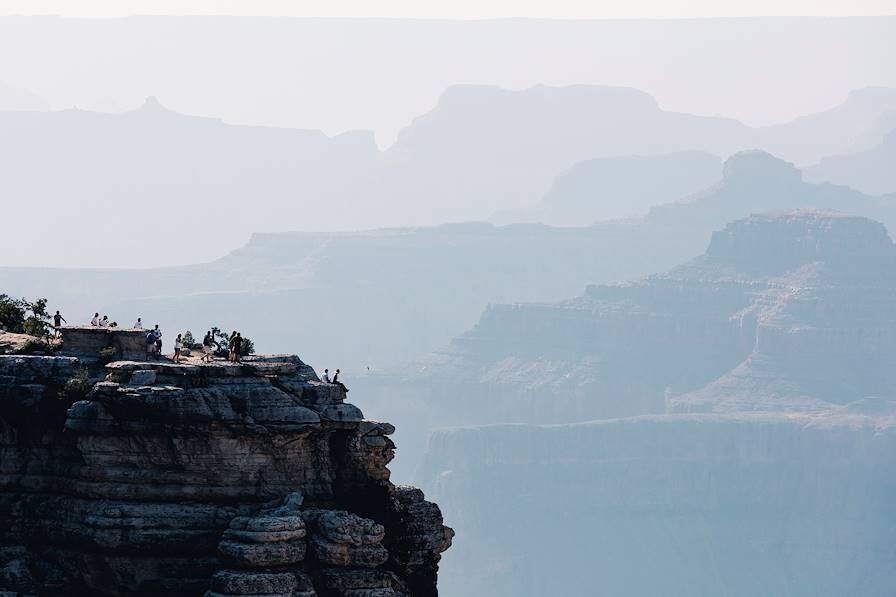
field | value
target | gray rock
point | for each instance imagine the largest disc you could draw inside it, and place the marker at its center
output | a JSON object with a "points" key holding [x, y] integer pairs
{"points": [[144, 377], [240, 582], [263, 555]]}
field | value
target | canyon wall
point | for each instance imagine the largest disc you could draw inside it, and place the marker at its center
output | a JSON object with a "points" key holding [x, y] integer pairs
{"points": [[142, 478], [675, 505]]}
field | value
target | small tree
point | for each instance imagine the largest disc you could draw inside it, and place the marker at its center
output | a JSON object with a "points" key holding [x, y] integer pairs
{"points": [[12, 314], [189, 341], [38, 323]]}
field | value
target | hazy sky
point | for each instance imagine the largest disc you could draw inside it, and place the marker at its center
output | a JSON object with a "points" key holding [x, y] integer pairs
{"points": [[456, 9]]}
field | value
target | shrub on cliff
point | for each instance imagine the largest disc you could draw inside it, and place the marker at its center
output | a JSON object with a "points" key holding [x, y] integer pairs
{"points": [[38, 323], [36, 346], [107, 355], [12, 314], [190, 342], [76, 387], [21, 316]]}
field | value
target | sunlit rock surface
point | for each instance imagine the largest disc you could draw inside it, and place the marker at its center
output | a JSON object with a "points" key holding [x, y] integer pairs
{"points": [[147, 478]]}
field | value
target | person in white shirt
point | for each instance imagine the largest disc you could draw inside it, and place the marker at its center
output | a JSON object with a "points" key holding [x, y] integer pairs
{"points": [[96, 320], [104, 322], [326, 377], [139, 324], [178, 345]]}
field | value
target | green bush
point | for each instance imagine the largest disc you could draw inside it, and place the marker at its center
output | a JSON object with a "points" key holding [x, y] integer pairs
{"points": [[35, 346], [12, 314], [190, 342], [76, 387], [107, 355]]}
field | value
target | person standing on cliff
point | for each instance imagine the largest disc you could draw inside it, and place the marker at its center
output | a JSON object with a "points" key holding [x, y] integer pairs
{"points": [[178, 346], [237, 347], [57, 322], [231, 342], [158, 342], [208, 344]]}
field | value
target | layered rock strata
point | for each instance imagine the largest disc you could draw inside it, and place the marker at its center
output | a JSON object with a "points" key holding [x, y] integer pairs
{"points": [[141, 478]]}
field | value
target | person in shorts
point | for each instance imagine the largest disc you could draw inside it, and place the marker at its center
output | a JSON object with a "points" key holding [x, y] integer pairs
{"points": [[178, 346]]}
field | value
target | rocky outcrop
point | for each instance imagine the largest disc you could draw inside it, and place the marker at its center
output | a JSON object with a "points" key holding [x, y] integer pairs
{"points": [[236, 479], [92, 344]]}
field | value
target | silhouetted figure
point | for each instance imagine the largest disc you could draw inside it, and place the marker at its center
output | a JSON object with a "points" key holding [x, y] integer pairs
{"points": [[208, 347], [337, 382], [57, 322], [231, 343], [237, 347]]}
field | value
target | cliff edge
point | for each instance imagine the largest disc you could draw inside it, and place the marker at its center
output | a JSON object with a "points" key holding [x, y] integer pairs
{"points": [[150, 477]]}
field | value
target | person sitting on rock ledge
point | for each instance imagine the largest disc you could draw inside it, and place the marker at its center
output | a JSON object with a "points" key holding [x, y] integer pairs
{"points": [[138, 325], [104, 322], [326, 376], [339, 383], [95, 322]]}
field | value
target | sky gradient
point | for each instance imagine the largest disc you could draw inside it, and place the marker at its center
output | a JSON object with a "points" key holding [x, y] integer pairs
{"points": [[455, 9]]}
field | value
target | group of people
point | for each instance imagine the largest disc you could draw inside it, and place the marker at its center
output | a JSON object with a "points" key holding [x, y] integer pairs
{"points": [[326, 379], [153, 341], [209, 344], [100, 322], [235, 347]]}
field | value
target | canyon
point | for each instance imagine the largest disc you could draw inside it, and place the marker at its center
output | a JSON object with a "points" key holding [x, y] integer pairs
{"points": [[677, 434]]}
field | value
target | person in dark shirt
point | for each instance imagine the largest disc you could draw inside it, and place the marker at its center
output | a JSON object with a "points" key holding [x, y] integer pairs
{"points": [[337, 382], [231, 342], [57, 322], [208, 347], [237, 347]]}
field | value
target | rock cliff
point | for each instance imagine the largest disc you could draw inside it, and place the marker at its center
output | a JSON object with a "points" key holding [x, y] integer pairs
{"points": [[141, 478], [789, 311], [784, 311], [696, 505]]}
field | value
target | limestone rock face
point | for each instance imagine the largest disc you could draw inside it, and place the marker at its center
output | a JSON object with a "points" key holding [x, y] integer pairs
{"points": [[184, 479], [343, 539]]}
